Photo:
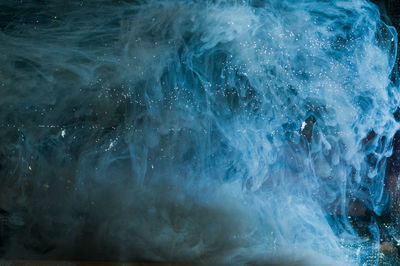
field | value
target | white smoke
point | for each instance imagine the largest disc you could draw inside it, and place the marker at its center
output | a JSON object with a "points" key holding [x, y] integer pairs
{"points": [[225, 132]]}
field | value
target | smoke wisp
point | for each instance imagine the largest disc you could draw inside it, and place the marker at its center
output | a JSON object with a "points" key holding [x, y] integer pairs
{"points": [[226, 132]]}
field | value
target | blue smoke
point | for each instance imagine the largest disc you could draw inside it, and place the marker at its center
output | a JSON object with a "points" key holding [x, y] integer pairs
{"points": [[208, 131]]}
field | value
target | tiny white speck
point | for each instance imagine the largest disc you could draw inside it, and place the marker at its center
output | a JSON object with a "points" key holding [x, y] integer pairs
{"points": [[303, 125], [30, 168], [63, 133], [358, 251]]}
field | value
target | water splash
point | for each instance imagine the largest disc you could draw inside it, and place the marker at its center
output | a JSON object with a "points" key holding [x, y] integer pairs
{"points": [[216, 131]]}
